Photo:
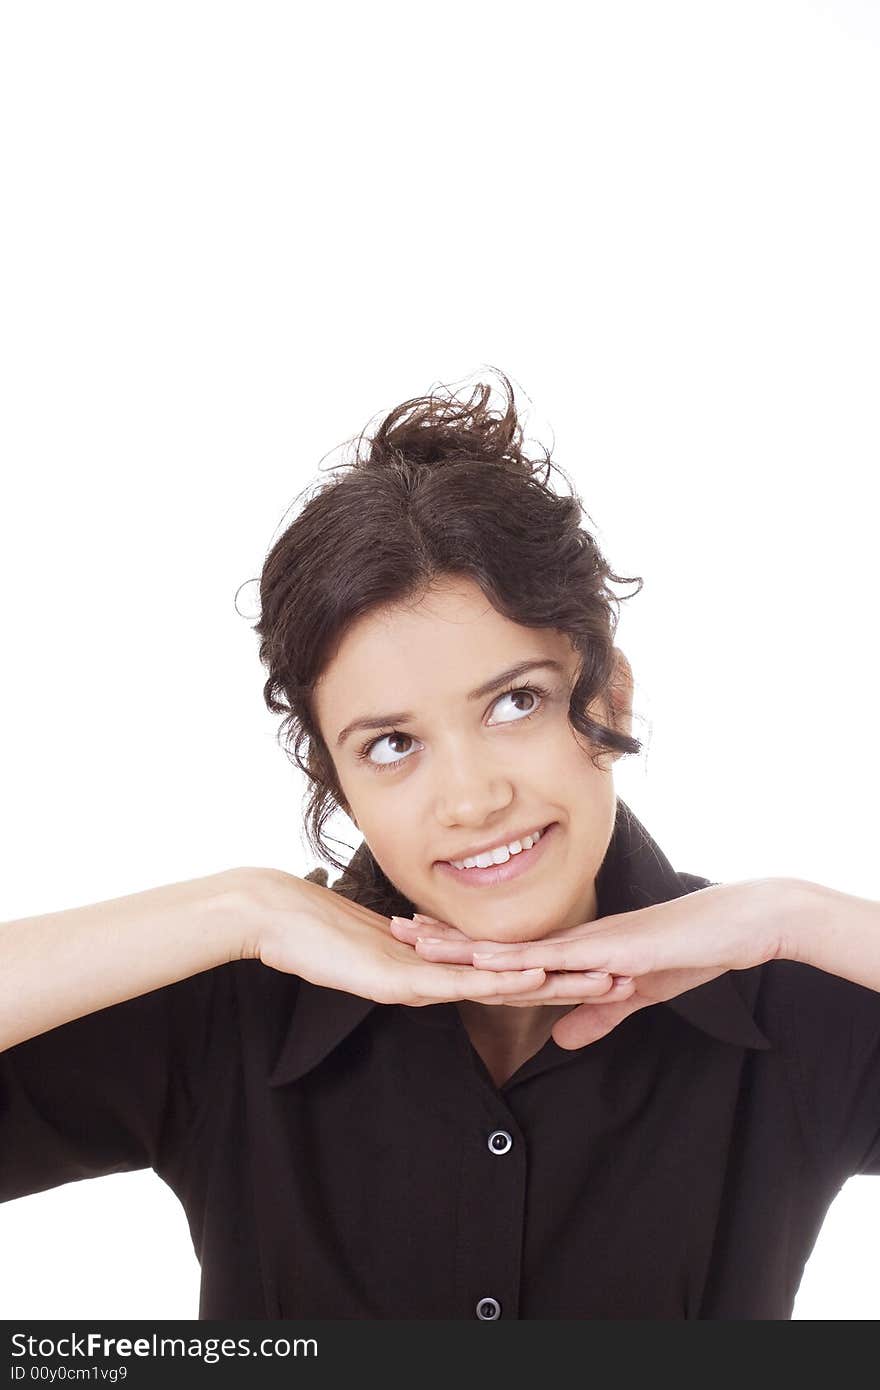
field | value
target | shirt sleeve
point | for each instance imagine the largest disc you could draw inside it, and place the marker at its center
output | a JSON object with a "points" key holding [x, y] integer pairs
{"points": [[116, 1090], [833, 1033]]}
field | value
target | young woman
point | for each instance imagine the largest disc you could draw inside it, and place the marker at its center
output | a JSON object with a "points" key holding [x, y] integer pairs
{"points": [[641, 1108]]}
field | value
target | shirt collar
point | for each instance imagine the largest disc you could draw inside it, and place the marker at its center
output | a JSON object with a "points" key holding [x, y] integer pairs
{"points": [[634, 873]]}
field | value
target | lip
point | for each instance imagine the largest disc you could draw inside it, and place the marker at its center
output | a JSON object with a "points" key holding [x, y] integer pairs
{"points": [[516, 865], [472, 853]]}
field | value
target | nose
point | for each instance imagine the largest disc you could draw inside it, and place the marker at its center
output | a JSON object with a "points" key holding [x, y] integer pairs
{"points": [[470, 791]]}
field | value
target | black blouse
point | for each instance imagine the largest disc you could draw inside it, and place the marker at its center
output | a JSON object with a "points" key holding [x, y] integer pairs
{"points": [[338, 1158]]}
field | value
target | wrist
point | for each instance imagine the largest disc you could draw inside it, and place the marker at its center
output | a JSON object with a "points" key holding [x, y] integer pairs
{"points": [[811, 918], [259, 903], [239, 910], [838, 933]]}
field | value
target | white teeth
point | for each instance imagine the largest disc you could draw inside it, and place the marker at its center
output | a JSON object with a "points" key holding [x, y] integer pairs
{"points": [[499, 855]]}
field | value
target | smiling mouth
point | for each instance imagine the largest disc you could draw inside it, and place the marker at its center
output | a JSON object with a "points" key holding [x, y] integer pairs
{"points": [[500, 872], [488, 859]]}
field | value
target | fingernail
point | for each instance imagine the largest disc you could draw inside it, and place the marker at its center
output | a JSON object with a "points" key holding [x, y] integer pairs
{"points": [[421, 917], [489, 955], [597, 974], [430, 941], [404, 921]]}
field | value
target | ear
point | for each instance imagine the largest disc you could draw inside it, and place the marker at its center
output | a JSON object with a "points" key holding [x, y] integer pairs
{"points": [[618, 703], [620, 694]]}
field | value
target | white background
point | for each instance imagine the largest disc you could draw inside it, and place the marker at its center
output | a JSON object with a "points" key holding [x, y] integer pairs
{"points": [[234, 234]]}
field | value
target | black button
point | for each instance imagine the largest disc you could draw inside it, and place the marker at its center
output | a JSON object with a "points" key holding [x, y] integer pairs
{"points": [[500, 1141], [488, 1309]]}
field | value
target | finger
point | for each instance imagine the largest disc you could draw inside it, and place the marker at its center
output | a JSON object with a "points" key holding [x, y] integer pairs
{"points": [[576, 954], [459, 950], [450, 982], [405, 930], [590, 1022], [573, 989], [452, 952], [465, 953], [570, 987]]}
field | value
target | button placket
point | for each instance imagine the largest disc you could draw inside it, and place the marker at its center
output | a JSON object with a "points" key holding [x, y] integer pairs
{"points": [[492, 1204], [498, 1142]]}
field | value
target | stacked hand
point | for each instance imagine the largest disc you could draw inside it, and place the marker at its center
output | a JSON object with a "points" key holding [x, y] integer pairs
{"points": [[605, 969], [642, 957]]}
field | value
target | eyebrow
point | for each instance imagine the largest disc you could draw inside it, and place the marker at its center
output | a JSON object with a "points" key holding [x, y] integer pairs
{"points": [[379, 721]]}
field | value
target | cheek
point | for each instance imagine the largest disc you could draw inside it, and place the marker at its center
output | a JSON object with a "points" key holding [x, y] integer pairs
{"points": [[583, 763], [406, 868], [393, 848]]}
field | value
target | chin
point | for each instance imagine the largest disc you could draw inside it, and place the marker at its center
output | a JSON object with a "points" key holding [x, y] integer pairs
{"points": [[500, 930]]}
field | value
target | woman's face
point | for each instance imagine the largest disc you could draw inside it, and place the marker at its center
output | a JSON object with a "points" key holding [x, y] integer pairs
{"points": [[435, 770]]}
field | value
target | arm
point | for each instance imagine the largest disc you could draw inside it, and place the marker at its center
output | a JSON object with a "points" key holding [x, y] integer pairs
{"points": [[670, 947], [65, 965], [835, 932]]}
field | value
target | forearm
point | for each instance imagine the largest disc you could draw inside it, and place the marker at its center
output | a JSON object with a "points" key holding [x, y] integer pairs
{"points": [[835, 932], [67, 964]]}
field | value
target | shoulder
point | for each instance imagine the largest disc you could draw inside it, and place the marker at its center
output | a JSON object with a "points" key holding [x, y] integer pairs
{"points": [[829, 1032], [826, 1024], [817, 1009]]}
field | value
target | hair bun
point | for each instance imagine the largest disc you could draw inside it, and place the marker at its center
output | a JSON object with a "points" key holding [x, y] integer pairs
{"points": [[439, 428]]}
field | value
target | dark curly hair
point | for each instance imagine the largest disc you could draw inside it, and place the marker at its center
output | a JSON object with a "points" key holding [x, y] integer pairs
{"points": [[442, 487]]}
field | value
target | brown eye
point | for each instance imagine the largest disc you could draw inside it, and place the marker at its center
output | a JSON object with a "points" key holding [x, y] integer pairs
{"points": [[524, 694], [387, 739]]}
